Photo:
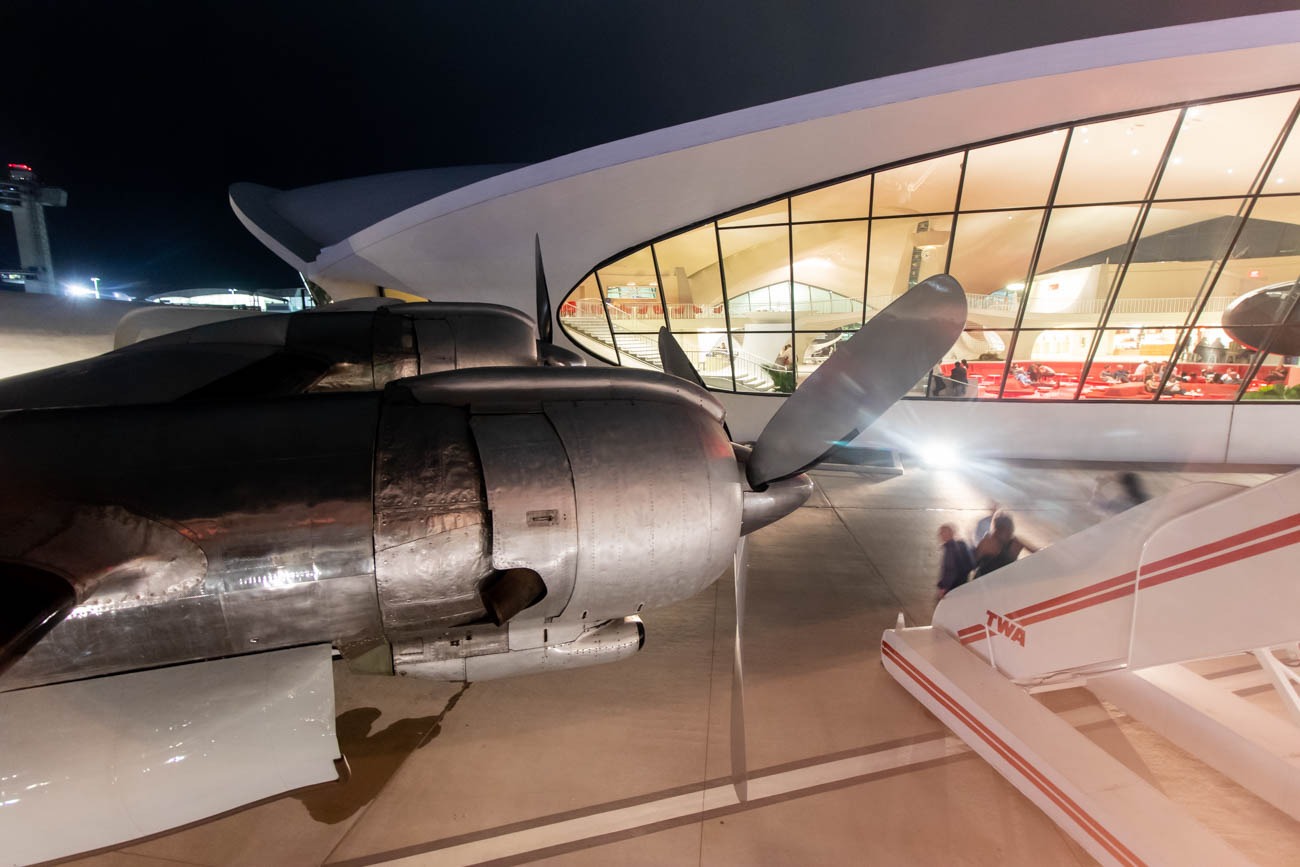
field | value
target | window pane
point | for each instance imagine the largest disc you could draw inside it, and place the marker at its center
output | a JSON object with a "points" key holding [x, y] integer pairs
{"points": [[927, 187], [1083, 250], [758, 259], [709, 352], [1125, 363], [1194, 379], [763, 215], [1210, 345], [582, 315], [1012, 174], [830, 271], [1114, 161], [1221, 146], [812, 348], [844, 201], [903, 253], [1268, 319], [1179, 251], [1278, 379], [1047, 364], [765, 360], [990, 259], [691, 279], [1267, 253], [1285, 177], [803, 296], [984, 351], [632, 292]]}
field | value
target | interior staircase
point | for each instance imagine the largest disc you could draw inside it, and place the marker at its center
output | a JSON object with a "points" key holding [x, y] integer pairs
{"points": [[640, 349]]}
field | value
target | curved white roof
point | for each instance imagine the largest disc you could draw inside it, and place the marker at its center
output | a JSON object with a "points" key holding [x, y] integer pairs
{"points": [[474, 240]]}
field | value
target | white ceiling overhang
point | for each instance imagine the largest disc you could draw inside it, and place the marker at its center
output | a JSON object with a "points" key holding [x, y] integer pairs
{"points": [[476, 242]]}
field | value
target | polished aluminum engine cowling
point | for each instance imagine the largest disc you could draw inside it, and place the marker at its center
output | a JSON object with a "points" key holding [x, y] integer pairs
{"points": [[382, 524], [620, 492], [193, 531]]}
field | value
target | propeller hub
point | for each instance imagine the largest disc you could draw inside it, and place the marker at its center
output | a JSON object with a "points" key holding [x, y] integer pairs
{"points": [[773, 501]]}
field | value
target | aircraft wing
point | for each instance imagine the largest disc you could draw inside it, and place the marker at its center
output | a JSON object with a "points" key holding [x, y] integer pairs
{"points": [[358, 345], [46, 539], [94, 763], [164, 373]]}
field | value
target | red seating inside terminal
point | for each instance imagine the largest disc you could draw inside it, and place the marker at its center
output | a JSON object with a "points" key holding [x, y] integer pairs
{"points": [[986, 380]]}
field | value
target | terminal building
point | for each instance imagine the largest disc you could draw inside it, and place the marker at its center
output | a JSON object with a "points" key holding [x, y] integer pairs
{"points": [[1104, 243], [1102, 202]]}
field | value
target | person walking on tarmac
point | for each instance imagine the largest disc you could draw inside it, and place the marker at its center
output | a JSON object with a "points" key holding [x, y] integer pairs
{"points": [[1000, 546], [954, 569]]}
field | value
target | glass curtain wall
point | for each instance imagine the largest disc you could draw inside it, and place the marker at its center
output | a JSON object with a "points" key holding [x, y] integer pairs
{"points": [[1099, 259]]}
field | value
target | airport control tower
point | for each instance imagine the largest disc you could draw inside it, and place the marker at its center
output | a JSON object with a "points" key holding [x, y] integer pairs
{"points": [[22, 194]]}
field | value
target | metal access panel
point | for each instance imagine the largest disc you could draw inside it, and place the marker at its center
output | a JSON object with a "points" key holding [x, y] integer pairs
{"points": [[431, 532], [658, 501], [530, 501]]}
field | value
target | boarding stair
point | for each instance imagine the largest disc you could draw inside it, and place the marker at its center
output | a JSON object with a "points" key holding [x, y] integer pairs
{"points": [[1207, 571]]}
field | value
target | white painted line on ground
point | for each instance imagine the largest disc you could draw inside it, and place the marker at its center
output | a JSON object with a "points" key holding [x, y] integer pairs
{"points": [[567, 832], [678, 806]]}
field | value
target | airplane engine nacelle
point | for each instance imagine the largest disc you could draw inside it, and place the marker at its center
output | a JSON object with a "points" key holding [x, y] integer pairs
{"points": [[562, 499]]}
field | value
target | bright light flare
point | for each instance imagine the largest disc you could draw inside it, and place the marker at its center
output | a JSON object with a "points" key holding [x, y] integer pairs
{"points": [[939, 455]]}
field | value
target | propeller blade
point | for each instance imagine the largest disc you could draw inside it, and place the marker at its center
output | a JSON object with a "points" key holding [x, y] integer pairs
{"points": [[864, 377], [544, 324], [739, 772], [675, 360]]}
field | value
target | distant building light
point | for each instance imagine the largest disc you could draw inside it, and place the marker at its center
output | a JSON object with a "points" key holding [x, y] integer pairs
{"points": [[248, 299]]}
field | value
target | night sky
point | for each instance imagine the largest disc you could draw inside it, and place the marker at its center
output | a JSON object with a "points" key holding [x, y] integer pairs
{"points": [[145, 112]]}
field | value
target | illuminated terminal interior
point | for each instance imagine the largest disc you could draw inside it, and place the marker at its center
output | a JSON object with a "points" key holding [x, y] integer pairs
{"points": [[1108, 245]]}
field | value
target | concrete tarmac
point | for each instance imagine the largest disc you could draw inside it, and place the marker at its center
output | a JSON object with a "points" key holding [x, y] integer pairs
{"points": [[630, 763]]}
